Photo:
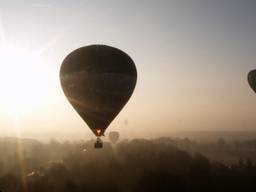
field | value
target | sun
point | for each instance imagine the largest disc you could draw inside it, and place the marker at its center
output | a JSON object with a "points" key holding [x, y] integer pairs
{"points": [[25, 81]]}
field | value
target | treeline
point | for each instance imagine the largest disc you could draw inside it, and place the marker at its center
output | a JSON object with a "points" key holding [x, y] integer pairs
{"points": [[136, 165]]}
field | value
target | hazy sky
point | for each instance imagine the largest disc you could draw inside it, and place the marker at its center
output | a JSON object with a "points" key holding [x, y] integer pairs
{"points": [[192, 59]]}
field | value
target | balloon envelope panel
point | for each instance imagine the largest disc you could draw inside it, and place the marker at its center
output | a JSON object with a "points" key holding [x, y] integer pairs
{"points": [[252, 79], [98, 80]]}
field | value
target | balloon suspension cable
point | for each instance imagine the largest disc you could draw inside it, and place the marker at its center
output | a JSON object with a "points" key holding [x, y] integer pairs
{"points": [[99, 139]]}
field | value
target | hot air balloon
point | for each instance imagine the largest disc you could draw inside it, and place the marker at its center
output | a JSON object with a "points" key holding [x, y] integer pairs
{"points": [[252, 79], [113, 136], [98, 80]]}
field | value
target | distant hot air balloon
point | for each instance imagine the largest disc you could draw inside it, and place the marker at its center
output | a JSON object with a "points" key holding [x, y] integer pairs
{"points": [[113, 136], [125, 122], [252, 79], [98, 80]]}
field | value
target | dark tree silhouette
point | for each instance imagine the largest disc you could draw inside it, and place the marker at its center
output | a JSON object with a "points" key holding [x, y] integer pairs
{"points": [[137, 165]]}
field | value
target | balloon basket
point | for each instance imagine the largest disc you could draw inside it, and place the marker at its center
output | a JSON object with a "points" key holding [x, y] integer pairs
{"points": [[98, 144]]}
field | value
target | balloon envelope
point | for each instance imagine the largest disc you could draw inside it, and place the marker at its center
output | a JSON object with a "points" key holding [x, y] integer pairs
{"points": [[252, 79], [98, 80], [113, 136]]}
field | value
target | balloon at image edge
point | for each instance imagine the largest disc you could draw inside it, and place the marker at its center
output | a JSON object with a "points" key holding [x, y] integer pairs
{"points": [[98, 80], [252, 79]]}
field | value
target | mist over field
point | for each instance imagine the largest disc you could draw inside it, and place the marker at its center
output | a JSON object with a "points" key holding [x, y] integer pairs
{"points": [[161, 164]]}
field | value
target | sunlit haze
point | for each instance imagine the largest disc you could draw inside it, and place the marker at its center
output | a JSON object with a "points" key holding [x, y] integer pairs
{"points": [[192, 59]]}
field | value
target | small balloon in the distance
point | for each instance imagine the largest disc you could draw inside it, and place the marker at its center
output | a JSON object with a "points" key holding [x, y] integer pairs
{"points": [[113, 136]]}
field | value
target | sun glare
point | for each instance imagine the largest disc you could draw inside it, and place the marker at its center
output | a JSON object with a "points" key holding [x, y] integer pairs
{"points": [[25, 81]]}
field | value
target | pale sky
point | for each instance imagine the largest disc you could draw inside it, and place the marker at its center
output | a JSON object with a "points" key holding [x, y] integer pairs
{"points": [[192, 59]]}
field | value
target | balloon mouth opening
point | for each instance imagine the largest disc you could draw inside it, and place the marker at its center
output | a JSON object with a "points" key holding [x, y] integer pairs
{"points": [[99, 132]]}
